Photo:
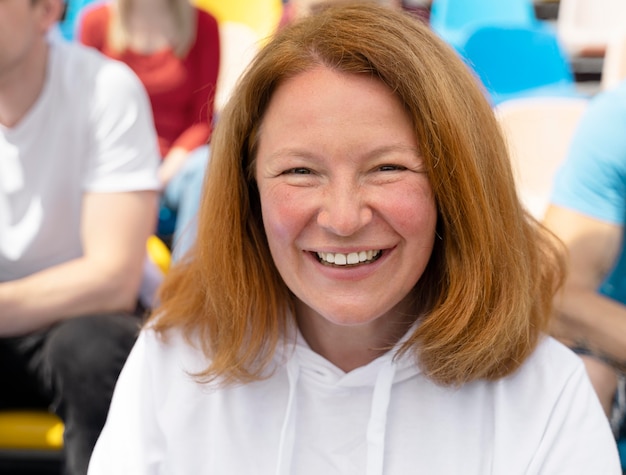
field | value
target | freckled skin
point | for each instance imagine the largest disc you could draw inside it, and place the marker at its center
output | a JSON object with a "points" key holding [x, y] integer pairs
{"points": [[338, 170]]}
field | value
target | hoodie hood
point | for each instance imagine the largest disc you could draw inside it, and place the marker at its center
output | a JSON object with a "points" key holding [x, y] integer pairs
{"points": [[305, 367]]}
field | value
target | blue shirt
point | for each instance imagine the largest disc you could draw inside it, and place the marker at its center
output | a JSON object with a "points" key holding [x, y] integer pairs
{"points": [[592, 180]]}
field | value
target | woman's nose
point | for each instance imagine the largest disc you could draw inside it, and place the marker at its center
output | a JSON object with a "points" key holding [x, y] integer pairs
{"points": [[344, 210]]}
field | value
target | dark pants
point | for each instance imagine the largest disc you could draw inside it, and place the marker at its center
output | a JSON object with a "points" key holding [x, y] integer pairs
{"points": [[70, 369]]}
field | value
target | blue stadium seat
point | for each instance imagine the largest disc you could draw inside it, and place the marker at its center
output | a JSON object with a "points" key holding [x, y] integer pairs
{"points": [[517, 61], [455, 20]]}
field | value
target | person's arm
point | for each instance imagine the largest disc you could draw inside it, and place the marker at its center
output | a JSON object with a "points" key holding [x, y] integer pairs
{"points": [[584, 318], [105, 279], [171, 164]]}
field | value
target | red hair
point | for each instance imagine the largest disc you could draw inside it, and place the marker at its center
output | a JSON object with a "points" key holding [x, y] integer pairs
{"points": [[488, 288]]}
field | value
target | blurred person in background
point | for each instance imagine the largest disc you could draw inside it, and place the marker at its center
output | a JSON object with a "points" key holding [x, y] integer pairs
{"points": [[78, 198], [588, 213], [174, 49]]}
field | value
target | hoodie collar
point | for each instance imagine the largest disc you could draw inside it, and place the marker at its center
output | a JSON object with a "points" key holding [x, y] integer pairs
{"points": [[380, 374]]}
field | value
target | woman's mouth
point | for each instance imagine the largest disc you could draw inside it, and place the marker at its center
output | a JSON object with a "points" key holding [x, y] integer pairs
{"points": [[339, 259]]}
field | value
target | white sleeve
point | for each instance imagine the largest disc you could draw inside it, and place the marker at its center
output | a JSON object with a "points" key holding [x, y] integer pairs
{"points": [[132, 442], [578, 438], [124, 150]]}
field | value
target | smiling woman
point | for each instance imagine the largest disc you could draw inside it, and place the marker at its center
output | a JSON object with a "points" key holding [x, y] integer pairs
{"points": [[364, 190], [363, 264]]}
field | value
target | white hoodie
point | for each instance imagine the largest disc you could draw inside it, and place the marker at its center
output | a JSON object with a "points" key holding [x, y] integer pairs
{"points": [[310, 418]]}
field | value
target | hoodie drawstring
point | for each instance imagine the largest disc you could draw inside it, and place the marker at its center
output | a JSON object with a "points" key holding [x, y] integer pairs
{"points": [[377, 425], [288, 430]]}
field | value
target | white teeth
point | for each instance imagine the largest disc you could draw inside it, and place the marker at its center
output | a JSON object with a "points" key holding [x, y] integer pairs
{"points": [[352, 258]]}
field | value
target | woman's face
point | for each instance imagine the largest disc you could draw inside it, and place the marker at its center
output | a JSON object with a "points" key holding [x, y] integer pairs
{"points": [[347, 206]]}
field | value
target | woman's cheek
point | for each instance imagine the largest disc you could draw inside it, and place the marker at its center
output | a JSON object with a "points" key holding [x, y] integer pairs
{"points": [[413, 214], [282, 211]]}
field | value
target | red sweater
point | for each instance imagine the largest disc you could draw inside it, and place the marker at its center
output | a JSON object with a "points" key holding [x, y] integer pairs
{"points": [[181, 90]]}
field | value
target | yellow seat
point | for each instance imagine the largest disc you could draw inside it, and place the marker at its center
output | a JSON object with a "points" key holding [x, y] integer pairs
{"points": [[262, 16], [159, 253], [30, 430]]}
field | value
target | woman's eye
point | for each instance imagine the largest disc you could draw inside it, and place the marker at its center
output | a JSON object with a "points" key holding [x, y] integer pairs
{"points": [[297, 171], [388, 168]]}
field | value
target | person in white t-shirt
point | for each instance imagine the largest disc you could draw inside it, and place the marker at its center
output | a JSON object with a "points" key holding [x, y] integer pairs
{"points": [[78, 197], [367, 294]]}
